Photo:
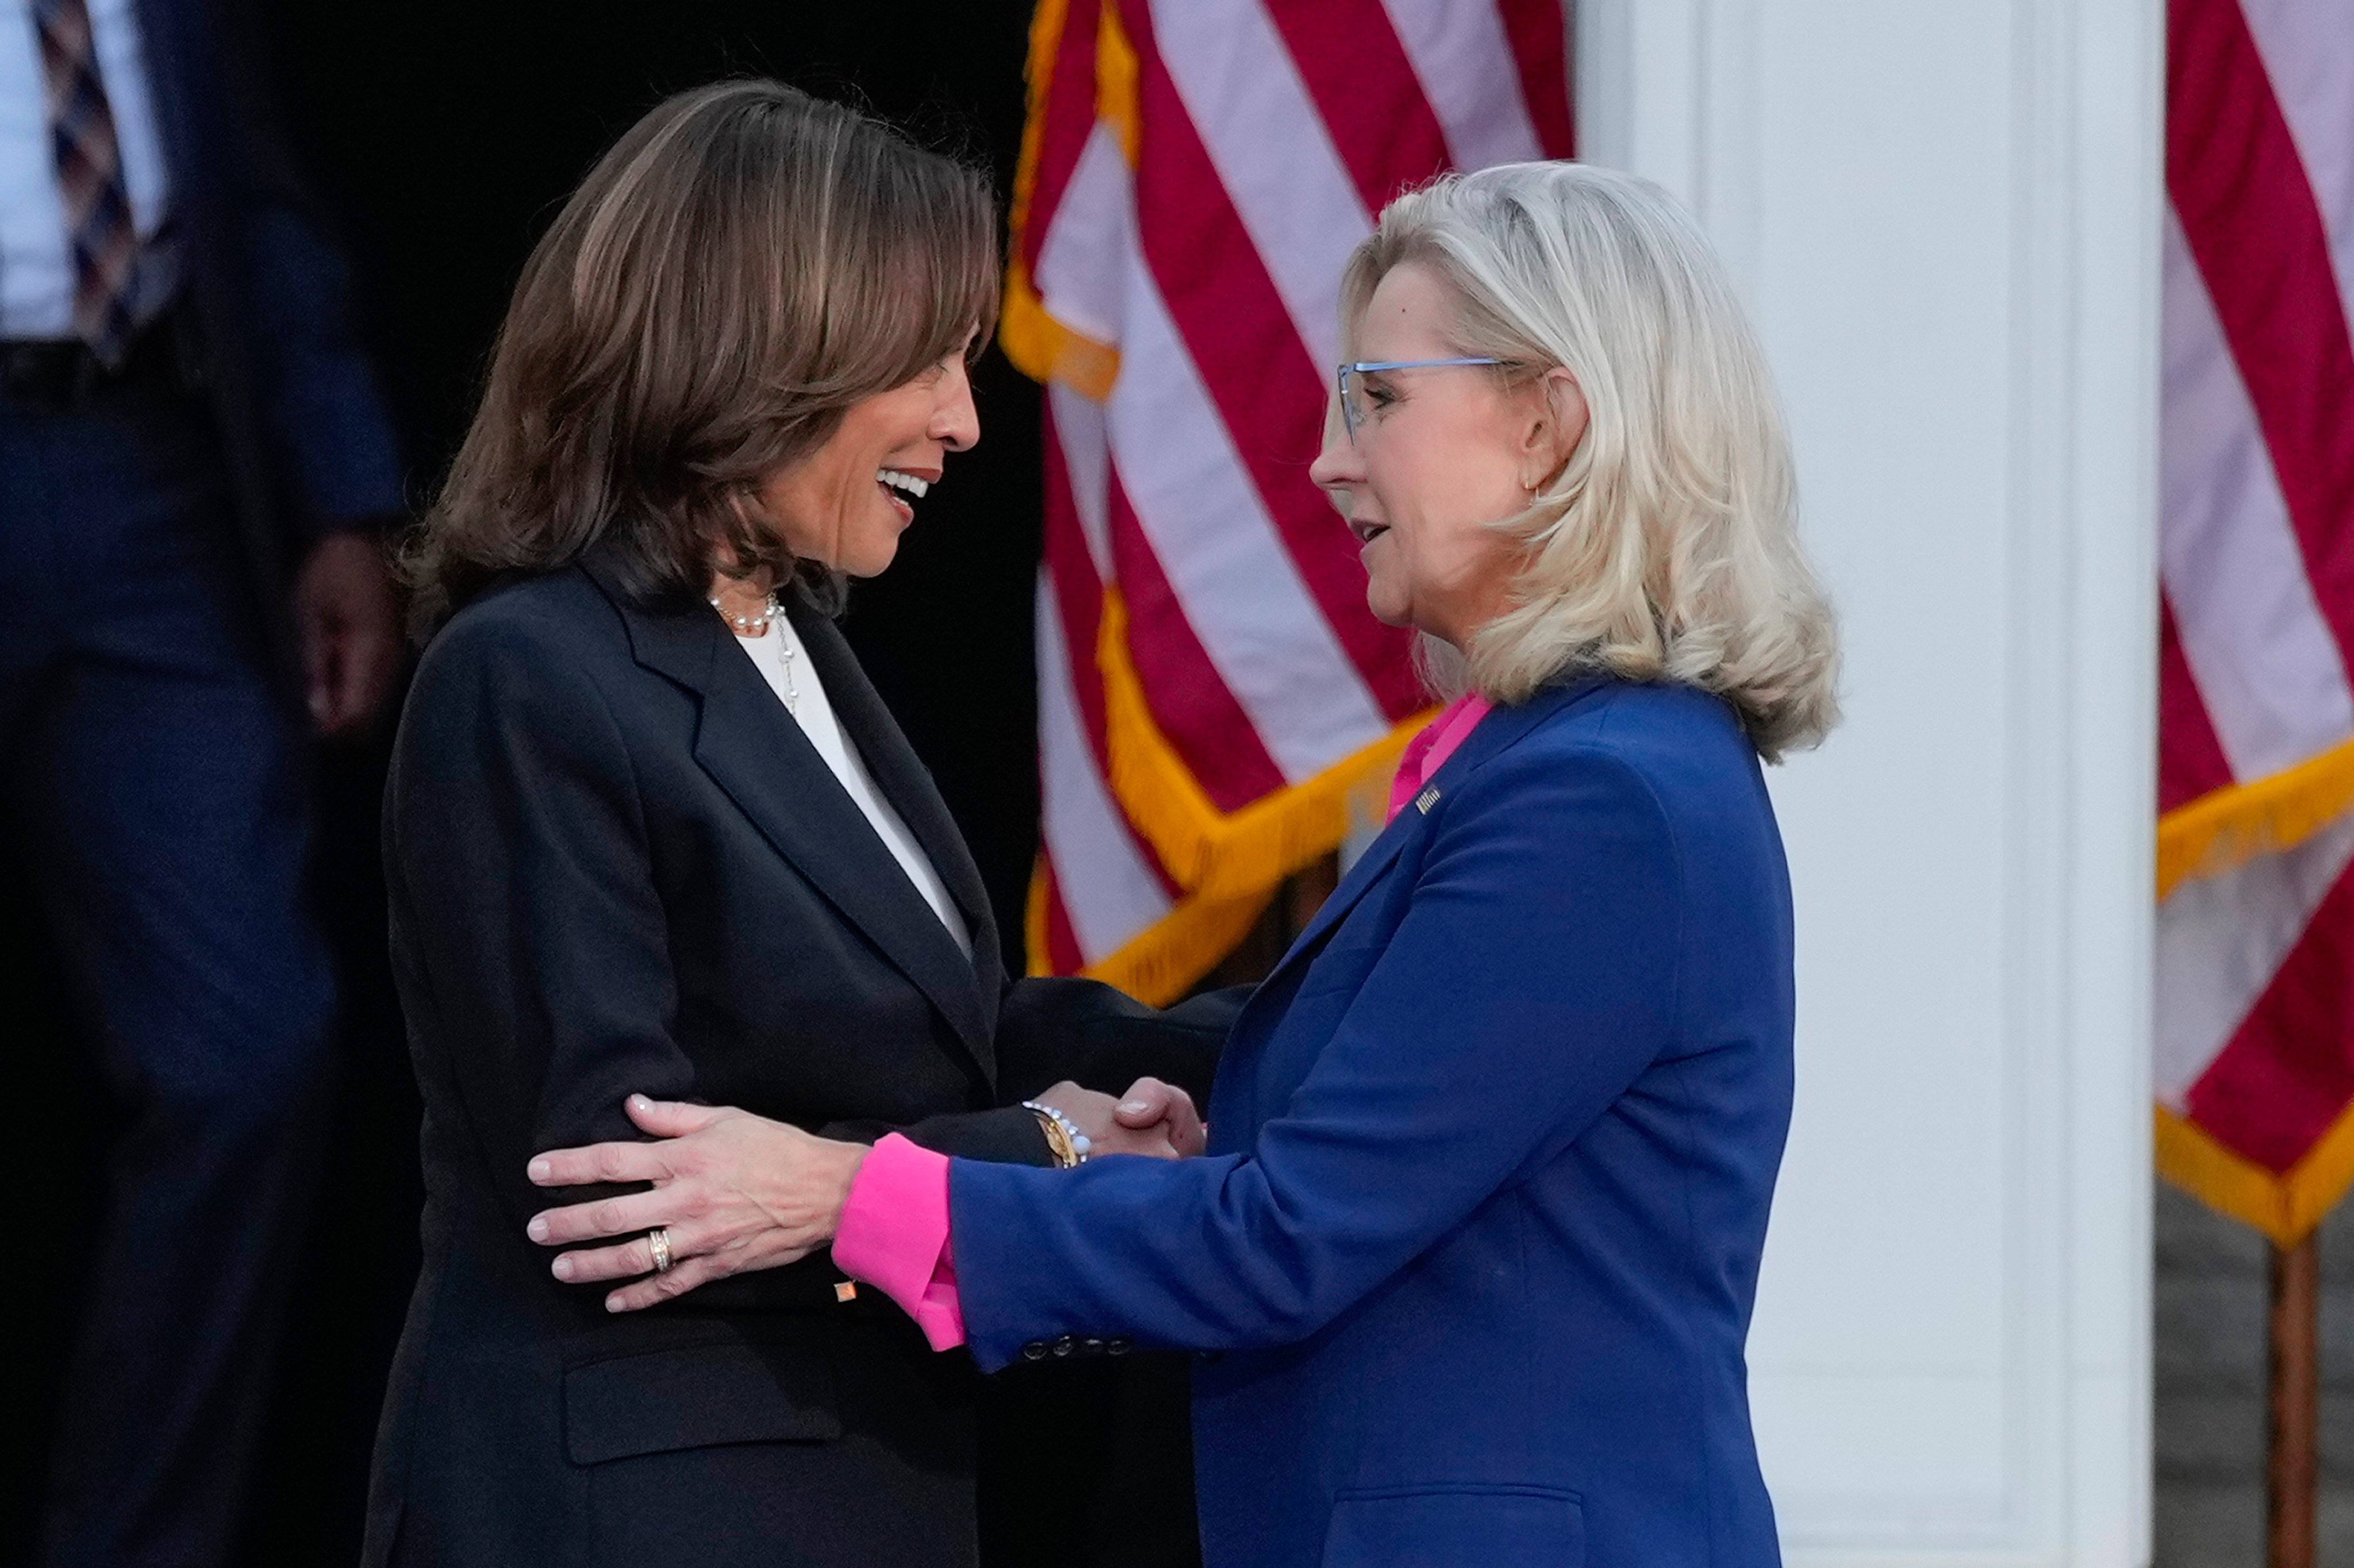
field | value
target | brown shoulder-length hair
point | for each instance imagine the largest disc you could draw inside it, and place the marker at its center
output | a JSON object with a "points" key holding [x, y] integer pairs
{"points": [[746, 264]]}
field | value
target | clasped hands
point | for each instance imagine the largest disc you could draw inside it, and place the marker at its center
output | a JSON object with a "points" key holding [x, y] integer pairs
{"points": [[733, 1192]]}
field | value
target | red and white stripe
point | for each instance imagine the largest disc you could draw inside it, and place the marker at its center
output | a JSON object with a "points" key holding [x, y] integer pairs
{"points": [[1268, 133], [2255, 974]]}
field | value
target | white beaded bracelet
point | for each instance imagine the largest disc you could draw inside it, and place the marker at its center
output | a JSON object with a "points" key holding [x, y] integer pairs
{"points": [[1081, 1146]]}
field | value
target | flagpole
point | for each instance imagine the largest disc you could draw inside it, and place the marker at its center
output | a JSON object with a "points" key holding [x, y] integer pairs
{"points": [[2295, 1369]]}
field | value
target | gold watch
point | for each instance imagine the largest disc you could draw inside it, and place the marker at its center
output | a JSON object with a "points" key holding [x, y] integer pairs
{"points": [[1064, 1141]]}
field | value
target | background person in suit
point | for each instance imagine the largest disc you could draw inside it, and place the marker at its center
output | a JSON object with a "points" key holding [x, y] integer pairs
{"points": [[1468, 1267], [190, 445], [648, 822]]}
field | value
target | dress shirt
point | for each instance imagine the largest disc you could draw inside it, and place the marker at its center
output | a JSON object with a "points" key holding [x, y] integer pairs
{"points": [[36, 273], [795, 681], [895, 1232]]}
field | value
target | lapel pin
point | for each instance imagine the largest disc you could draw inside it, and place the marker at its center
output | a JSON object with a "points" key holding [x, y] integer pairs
{"points": [[1427, 800]]}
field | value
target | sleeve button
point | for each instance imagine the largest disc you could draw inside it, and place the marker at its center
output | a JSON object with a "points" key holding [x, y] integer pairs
{"points": [[1118, 1347], [1035, 1350], [1065, 1345]]}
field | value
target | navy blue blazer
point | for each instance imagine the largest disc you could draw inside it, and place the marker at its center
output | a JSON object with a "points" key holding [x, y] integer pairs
{"points": [[1470, 1261]]}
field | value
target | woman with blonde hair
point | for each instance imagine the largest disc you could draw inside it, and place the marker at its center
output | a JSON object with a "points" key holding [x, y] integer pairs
{"points": [[1468, 1267]]}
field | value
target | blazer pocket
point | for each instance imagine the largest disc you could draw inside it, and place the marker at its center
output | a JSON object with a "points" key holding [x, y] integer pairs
{"points": [[1444, 1526], [695, 1397]]}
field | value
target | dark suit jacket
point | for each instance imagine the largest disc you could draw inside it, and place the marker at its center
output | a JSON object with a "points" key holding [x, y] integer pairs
{"points": [[617, 865], [264, 298], [1473, 1252]]}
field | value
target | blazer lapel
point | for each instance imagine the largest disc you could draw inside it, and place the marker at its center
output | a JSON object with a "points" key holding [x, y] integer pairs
{"points": [[1371, 867], [904, 780], [753, 750], [1490, 736]]}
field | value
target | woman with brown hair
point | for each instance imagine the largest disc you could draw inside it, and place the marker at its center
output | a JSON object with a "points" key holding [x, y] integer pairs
{"points": [[650, 829]]}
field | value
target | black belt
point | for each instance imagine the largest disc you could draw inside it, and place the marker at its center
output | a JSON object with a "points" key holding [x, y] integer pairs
{"points": [[61, 376]]}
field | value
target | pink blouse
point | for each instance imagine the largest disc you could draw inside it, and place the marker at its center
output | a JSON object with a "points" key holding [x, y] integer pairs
{"points": [[894, 1227]]}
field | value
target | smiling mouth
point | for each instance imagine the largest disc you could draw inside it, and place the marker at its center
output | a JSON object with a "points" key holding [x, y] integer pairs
{"points": [[1366, 530], [903, 488]]}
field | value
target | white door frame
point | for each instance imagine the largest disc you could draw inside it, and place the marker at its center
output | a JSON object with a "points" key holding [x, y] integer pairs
{"points": [[1947, 219]]}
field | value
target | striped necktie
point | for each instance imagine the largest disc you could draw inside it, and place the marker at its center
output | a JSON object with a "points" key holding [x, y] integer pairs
{"points": [[98, 227]]}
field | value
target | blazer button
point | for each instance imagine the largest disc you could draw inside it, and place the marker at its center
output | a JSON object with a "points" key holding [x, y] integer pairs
{"points": [[1065, 1345], [1035, 1350]]}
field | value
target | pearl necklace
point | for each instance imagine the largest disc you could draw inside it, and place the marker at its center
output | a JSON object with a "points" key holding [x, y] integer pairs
{"points": [[751, 625], [757, 625]]}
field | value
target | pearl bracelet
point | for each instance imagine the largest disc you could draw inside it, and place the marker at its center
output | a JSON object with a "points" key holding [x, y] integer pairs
{"points": [[1070, 1146]]}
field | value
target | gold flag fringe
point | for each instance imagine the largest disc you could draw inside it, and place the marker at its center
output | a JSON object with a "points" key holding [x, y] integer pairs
{"points": [[1038, 72], [1117, 71], [2219, 832], [1159, 963], [1228, 864], [1040, 347], [1213, 853], [2231, 826], [1044, 349], [2284, 1206]]}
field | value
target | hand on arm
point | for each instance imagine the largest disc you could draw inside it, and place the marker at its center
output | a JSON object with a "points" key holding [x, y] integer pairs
{"points": [[731, 1190]]}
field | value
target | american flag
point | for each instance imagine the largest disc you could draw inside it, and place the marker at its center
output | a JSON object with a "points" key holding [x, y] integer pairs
{"points": [[2254, 1006], [1212, 689]]}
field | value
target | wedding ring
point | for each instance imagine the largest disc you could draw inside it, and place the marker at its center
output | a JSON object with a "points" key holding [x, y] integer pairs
{"points": [[658, 1243]]}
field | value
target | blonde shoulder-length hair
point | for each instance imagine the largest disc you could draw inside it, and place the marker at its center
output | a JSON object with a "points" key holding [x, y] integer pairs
{"points": [[1667, 547]]}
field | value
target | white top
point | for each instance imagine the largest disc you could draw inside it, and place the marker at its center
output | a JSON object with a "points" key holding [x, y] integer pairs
{"points": [[36, 278], [784, 663]]}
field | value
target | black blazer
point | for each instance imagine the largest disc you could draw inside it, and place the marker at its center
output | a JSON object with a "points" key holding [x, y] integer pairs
{"points": [[617, 865]]}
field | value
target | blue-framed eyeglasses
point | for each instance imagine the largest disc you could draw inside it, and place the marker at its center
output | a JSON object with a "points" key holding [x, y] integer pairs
{"points": [[1353, 411]]}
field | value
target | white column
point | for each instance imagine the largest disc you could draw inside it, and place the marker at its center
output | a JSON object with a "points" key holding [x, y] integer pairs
{"points": [[1947, 219]]}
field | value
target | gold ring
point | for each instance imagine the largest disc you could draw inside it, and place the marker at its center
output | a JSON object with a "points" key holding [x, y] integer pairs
{"points": [[658, 1243]]}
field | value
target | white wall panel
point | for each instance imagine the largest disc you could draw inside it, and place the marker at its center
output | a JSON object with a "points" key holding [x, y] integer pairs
{"points": [[1946, 219]]}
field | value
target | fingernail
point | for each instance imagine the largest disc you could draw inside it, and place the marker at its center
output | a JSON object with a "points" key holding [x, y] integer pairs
{"points": [[563, 1266], [642, 1102], [540, 1170], [1133, 1106], [613, 1303], [538, 1227]]}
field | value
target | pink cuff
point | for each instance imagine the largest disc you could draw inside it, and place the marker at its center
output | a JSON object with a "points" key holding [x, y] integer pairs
{"points": [[895, 1237]]}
